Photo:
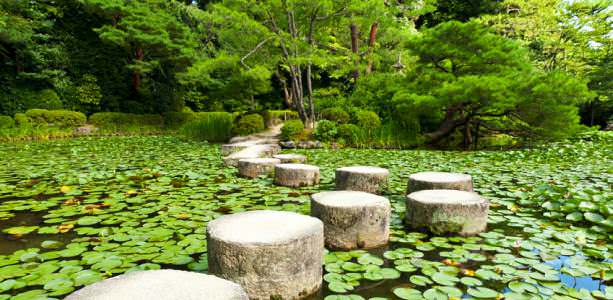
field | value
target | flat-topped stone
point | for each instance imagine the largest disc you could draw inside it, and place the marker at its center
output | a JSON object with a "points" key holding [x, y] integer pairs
{"points": [[352, 219], [254, 167], [228, 149], [447, 211], [439, 181], [362, 178], [296, 175], [255, 151], [290, 158], [161, 285], [271, 254]]}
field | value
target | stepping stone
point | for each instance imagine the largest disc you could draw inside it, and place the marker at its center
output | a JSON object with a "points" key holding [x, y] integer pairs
{"points": [[271, 254], [352, 219], [228, 149], [255, 151], [362, 178], [439, 181], [161, 285], [254, 167], [291, 158], [296, 175], [447, 211]]}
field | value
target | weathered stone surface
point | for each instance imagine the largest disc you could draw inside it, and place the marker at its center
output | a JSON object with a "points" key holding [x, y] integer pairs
{"points": [[254, 167], [447, 211], [309, 144], [85, 129], [296, 175], [290, 158], [439, 181], [161, 285], [228, 149], [288, 145], [362, 178], [352, 219], [255, 151], [271, 254]]}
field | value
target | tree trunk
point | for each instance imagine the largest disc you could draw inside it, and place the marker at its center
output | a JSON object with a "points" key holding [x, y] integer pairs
{"points": [[136, 76], [371, 46], [448, 125], [354, 50], [308, 71]]}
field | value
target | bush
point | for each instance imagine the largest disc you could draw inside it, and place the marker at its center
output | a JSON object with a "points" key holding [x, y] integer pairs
{"points": [[117, 120], [274, 117], [6, 122], [212, 127], [177, 119], [249, 124], [368, 120], [292, 130], [335, 114], [57, 118], [22, 119], [325, 131], [350, 133]]}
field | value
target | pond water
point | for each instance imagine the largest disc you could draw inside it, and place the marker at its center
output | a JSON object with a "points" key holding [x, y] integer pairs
{"points": [[73, 212]]}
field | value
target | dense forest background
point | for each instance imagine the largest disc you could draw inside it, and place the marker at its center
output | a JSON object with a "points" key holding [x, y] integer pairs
{"points": [[520, 67]]}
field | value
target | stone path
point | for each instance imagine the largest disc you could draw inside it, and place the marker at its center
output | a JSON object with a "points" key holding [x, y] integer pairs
{"points": [[264, 144]]}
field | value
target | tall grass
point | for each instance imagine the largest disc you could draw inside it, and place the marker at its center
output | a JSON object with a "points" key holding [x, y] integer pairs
{"points": [[386, 136], [212, 127]]}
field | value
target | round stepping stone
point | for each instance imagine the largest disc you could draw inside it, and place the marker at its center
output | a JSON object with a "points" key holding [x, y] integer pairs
{"points": [[439, 181], [161, 285], [447, 211], [362, 178], [296, 175], [271, 254], [254, 167], [352, 219], [290, 158]]}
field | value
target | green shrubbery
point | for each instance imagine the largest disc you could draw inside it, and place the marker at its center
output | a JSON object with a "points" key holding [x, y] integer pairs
{"points": [[117, 120], [21, 119], [249, 124], [175, 120], [349, 133], [274, 117], [366, 119], [212, 127], [325, 131], [6, 122], [335, 114], [55, 118], [292, 130]]}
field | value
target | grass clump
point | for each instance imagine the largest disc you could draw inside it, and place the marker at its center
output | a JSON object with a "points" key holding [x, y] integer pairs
{"points": [[212, 127]]}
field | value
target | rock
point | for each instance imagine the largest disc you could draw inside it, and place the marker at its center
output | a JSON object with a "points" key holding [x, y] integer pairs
{"points": [[439, 181], [288, 145], [309, 144], [254, 167], [228, 149], [362, 178], [86, 129], [256, 151], [296, 175], [447, 211], [290, 158], [161, 285], [352, 219], [271, 254]]}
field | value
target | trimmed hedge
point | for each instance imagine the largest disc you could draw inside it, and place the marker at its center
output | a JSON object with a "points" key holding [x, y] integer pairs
{"points": [[6, 122], [249, 124], [335, 114], [21, 119], [292, 130], [118, 120], [58, 118]]}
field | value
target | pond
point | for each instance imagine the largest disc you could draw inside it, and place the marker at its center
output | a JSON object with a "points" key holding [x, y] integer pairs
{"points": [[73, 212]]}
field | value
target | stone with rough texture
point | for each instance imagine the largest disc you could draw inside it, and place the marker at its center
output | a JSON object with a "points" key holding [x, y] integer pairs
{"points": [[228, 149], [352, 219], [254, 167], [255, 151], [296, 175], [161, 285], [291, 158], [271, 254], [447, 211], [362, 178], [439, 181]]}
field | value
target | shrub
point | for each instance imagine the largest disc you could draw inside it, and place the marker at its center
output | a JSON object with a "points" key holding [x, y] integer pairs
{"points": [[58, 118], [177, 119], [366, 119], [335, 114], [249, 124], [274, 117], [350, 133], [6, 122], [325, 131], [292, 130], [117, 120], [212, 127], [22, 119]]}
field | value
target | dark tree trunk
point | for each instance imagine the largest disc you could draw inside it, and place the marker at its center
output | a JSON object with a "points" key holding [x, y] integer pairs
{"points": [[371, 46], [354, 50], [136, 76]]}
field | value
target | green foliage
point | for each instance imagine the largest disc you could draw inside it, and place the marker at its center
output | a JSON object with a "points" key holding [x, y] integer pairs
{"points": [[325, 131], [249, 124], [6, 122], [335, 114], [274, 117], [350, 134], [117, 120], [89, 92], [368, 120], [21, 120], [177, 119], [55, 118], [292, 130], [212, 127]]}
